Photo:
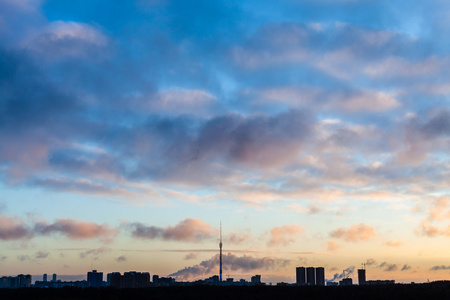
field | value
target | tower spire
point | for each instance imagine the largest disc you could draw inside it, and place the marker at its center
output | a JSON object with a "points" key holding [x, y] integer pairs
{"points": [[220, 256]]}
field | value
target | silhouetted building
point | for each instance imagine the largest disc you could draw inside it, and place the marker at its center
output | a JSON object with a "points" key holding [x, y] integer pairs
{"points": [[310, 276], [60, 284], [155, 280], [95, 279], [346, 282], [320, 276], [213, 280], [136, 280], [44, 278], [130, 280], [54, 277], [15, 282], [300, 273], [256, 279], [167, 281], [361, 276], [332, 283], [114, 279], [379, 282]]}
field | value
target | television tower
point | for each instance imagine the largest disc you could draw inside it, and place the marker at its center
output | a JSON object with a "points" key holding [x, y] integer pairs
{"points": [[220, 256]]}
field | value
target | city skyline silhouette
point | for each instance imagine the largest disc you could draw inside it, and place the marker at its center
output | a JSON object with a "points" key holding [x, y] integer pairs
{"points": [[316, 131]]}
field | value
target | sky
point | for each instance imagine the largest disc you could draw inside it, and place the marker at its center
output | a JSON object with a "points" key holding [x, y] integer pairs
{"points": [[316, 131]]}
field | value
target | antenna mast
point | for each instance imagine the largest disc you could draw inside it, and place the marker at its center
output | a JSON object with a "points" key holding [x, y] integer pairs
{"points": [[220, 256]]}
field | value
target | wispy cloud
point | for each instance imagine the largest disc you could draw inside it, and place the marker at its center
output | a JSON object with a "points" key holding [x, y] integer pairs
{"points": [[355, 233], [121, 258], [41, 254], [284, 235], [95, 253]]}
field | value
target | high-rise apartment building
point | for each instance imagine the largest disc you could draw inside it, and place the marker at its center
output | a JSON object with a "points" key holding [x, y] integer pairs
{"points": [[300, 273], [95, 279], [320, 276], [361, 276], [311, 276]]}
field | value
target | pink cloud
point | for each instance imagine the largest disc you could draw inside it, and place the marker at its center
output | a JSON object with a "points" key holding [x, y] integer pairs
{"points": [[284, 235], [13, 229], [189, 230], [355, 233], [393, 243], [428, 230], [74, 229], [237, 238], [439, 209], [332, 246]]}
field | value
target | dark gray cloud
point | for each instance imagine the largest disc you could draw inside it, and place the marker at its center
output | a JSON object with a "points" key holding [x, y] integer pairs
{"points": [[121, 258], [406, 268], [231, 262], [441, 267], [388, 267]]}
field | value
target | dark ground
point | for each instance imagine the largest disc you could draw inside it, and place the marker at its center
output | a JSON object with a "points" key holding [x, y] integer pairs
{"points": [[435, 290]]}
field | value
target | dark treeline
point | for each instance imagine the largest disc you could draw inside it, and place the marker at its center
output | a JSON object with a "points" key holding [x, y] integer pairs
{"points": [[436, 290]]}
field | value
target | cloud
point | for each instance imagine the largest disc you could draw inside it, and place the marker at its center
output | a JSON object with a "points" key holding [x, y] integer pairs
{"points": [[284, 235], [42, 254], [406, 268], [428, 230], [191, 256], [13, 229], [178, 101], [388, 267], [81, 186], [371, 262], [237, 238], [393, 243], [65, 39], [121, 258], [94, 252], [438, 209], [231, 262], [355, 233], [332, 246], [74, 229], [438, 268], [23, 257], [188, 230], [346, 100]]}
